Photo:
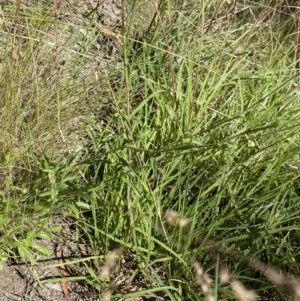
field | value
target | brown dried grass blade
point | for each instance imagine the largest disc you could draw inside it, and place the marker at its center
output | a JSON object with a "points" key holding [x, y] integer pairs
{"points": [[65, 288], [65, 271]]}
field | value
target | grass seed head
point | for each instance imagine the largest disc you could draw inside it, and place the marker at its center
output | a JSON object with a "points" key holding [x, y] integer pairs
{"points": [[225, 275], [241, 292], [111, 259], [204, 281], [106, 296], [173, 219]]}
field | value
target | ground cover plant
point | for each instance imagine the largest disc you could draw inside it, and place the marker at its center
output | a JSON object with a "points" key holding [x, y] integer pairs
{"points": [[172, 156]]}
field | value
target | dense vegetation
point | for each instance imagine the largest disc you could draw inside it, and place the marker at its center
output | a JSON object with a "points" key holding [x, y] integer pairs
{"points": [[183, 149]]}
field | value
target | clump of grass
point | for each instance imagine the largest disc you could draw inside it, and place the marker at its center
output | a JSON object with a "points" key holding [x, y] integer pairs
{"points": [[49, 81], [205, 122]]}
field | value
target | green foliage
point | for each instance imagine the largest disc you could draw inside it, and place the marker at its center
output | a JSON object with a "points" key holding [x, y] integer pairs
{"points": [[204, 121]]}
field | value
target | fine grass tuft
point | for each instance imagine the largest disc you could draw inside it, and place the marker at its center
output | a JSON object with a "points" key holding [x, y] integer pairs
{"points": [[183, 149]]}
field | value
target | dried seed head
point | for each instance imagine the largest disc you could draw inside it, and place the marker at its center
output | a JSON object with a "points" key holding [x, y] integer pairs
{"points": [[242, 293], [172, 218], [204, 281], [113, 256], [210, 298], [106, 296], [111, 259], [288, 283], [224, 275], [183, 222], [104, 271]]}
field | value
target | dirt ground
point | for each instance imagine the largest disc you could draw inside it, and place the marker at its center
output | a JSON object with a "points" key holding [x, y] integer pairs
{"points": [[18, 283], [20, 280]]}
